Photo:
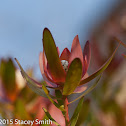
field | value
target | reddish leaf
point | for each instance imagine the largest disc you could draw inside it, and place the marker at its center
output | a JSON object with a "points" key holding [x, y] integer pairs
{"points": [[76, 51], [65, 55], [43, 68], [87, 56]]}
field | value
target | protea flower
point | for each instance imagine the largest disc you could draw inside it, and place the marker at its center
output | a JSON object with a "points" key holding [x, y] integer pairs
{"points": [[69, 68]]}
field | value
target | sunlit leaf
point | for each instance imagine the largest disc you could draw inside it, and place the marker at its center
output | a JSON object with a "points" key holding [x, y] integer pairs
{"points": [[76, 113], [56, 70], [73, 77], [88, 90], [50, 117], [91, 77]]}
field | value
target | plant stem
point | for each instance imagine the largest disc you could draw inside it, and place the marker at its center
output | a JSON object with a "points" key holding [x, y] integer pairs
{"points": [[66, 114]]}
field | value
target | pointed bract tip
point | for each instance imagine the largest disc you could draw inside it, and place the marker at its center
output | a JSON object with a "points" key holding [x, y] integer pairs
{"points": [[88, 42], [16, 60], [46, 29], [76, 37]]}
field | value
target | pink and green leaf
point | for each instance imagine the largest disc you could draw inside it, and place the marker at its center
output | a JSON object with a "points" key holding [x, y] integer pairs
{"points": [[73, 77], [56, 69], [80, 89], [91, 77], [43, 69]]}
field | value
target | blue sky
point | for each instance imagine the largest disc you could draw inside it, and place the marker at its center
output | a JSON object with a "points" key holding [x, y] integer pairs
{"points": [[22, 23]]}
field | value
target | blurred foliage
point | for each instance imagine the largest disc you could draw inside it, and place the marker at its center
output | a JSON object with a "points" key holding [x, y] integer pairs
{"points": [[105, 107], [7, 73], [16, 99]]}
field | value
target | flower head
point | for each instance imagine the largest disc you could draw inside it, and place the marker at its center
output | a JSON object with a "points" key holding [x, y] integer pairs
{"points": [[65, 69]]}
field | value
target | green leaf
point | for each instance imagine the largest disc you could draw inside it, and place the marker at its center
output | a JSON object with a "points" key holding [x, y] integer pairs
{"points": [[35, 86], [50, 117], [73, 77], [88, 90], [59, 95], [56, 70], [76, 112], [91, 77]]}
